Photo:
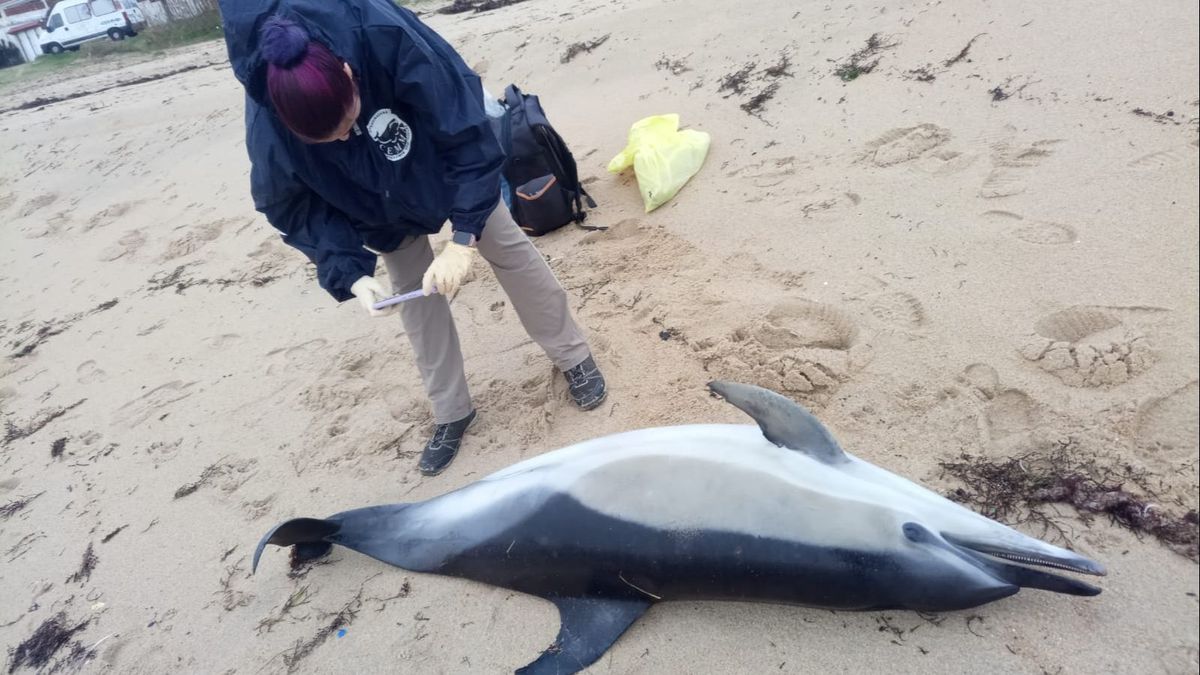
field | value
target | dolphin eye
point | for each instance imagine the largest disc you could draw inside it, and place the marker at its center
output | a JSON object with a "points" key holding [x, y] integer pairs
{"points": [[914, 532]]}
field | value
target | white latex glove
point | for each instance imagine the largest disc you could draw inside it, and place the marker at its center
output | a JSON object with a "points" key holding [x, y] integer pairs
{"points": [[369, 291], [448, 271]]}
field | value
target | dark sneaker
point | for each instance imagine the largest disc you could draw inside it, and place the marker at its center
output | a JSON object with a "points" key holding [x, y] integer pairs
{"points": [[443, 447], [586, 384]]}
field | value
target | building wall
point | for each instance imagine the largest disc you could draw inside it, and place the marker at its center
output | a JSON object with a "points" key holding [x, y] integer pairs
{"points": [[27, 42], [23, 11], [12, 13]]}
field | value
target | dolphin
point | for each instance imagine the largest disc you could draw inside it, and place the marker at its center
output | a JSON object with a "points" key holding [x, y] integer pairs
{"points": [[777, 512]]}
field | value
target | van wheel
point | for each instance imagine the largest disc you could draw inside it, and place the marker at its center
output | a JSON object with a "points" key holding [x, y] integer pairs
{"points": [[116, 34], [54, 48]]}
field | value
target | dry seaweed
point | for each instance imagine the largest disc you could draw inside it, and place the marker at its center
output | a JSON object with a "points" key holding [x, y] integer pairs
{"points": [[1019, 489], [962, 54], [583, 47], [1005, 91], [26, 345], [38, 650], [176, 279], [58, 447], [922, 74], [780, 69], [17, 505], [676, 66], [297, 599], [344, 617], [735, 83], [864, 60], [13, 431], [756, 102], [86, 567], [477, 6], [109, 537], [1162, 118], [211, 471]]}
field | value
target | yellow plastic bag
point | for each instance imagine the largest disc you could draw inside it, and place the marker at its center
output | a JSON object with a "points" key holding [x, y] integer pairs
{"points": [[663, 157]]}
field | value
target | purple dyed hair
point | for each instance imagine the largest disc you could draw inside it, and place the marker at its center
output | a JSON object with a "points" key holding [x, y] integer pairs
{"points": [[305, 81]]}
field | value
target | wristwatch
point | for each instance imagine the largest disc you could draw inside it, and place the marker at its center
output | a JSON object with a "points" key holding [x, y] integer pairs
{"points": [[464, 238]]}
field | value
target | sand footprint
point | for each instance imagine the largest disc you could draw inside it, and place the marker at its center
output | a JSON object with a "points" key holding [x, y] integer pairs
{"points": [[799, 347], [88, 372], [258, 508], [1167, 427], [1009, 416], [196, 238], [223, 341], [1157, 161], [109, 215], [767, 173], [1088, 347], [1011, 163], [905, 144], [944, 162], [899, 310], [1041, 233], [1046, 234], [807, 324], [161, 452], [129, 243], [151, 404], [266, 247], [38, 203], [298, 357]]}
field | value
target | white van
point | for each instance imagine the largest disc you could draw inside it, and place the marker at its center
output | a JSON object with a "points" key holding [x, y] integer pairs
{"points": [[73, 22]]}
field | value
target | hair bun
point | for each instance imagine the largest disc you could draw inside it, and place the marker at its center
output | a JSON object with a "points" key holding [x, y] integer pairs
{"points": [[284, 42]]}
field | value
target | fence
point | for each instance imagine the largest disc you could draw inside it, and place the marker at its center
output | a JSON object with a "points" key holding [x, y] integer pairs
{"points": [[160, 12]]}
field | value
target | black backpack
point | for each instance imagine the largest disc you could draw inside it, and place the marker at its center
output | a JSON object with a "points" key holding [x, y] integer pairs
{"points": [[543, 192]]}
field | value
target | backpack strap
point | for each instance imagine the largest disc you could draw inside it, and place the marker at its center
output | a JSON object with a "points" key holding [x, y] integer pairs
{"points": [[565, 165]]}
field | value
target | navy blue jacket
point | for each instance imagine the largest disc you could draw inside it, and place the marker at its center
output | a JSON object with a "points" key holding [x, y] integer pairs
{"points": [[423, 151]]}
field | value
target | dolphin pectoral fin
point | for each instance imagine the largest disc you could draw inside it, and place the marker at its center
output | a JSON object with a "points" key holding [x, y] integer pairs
{"points": [[588, 627], [308, 534], [783, 421]]}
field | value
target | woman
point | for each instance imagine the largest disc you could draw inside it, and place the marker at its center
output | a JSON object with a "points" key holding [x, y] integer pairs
{"points": [[366, 133]]}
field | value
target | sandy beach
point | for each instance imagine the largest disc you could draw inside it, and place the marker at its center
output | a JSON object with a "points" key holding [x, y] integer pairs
{"points": [[950, 229]]}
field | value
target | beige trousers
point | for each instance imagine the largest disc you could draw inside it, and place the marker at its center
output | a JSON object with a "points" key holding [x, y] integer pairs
{"points": [[536, 295]]}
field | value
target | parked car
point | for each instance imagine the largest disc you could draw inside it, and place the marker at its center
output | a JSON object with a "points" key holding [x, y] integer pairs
{"points": [[72, 22]]}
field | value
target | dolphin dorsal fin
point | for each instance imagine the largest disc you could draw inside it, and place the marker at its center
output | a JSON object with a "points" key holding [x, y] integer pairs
{"points": [[783, 421]]}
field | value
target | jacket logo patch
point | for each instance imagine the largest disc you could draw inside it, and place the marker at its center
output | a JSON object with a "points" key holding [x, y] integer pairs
{"points": [[391, 133]]}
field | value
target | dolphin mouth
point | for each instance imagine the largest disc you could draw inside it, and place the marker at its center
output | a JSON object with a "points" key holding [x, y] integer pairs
{"points": [[1069, 562]]}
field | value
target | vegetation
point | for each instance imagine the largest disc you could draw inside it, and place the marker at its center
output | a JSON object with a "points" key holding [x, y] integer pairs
{"points": [[150, 42]]}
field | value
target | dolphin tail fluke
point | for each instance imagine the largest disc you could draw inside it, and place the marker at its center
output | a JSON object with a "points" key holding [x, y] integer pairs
{"points": [[307, 534]]}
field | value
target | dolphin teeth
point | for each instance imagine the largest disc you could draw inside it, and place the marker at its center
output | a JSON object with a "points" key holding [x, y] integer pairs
{"points": [[1034, 561]]}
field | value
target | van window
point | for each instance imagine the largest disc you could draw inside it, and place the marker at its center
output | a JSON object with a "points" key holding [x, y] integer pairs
{"points": [[56, 22], [77, 13], [102, 7]]}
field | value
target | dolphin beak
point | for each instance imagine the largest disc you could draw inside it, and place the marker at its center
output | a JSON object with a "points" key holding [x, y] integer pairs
{"points": [[1063, 560]]}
